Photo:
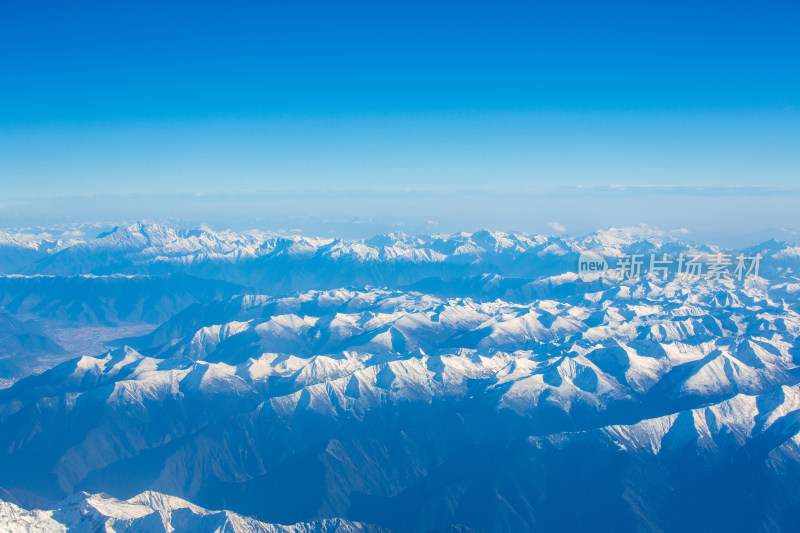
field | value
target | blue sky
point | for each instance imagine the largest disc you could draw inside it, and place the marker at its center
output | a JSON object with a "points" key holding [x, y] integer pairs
{"points": [[127, 98]]}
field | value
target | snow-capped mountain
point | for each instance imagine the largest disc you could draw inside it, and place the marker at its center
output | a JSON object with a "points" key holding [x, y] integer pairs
{"points": [[150, 512], [471, 382], [261, 402], [279, 264]]}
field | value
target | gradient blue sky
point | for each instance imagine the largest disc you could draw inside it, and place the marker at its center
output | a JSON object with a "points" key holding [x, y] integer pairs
{"points": [[125, 98]]}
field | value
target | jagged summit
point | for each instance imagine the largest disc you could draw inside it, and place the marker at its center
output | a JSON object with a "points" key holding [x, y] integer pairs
{"points": [[151, 512]]}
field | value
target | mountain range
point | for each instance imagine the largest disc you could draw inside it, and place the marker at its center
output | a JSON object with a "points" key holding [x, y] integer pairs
{"points": [[469, 382]]}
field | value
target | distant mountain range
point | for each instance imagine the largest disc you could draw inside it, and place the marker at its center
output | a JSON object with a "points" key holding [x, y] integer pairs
{"points": [[277, 265]]}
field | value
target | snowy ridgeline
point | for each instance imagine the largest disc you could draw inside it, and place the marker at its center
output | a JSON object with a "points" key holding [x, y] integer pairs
{"points": [[241, 257], [149, 512], [472, 382]]}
